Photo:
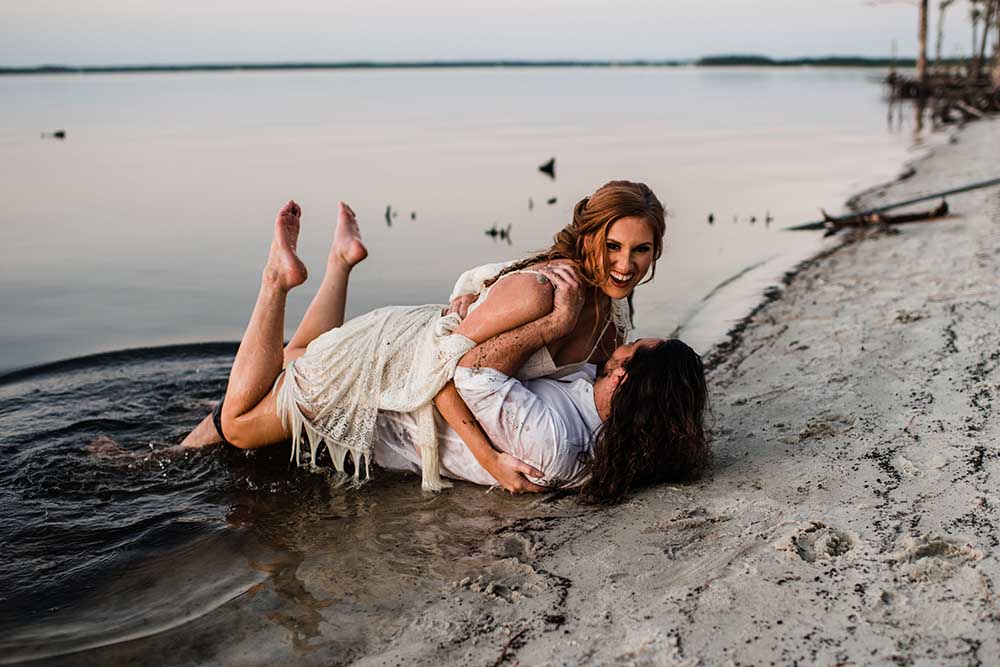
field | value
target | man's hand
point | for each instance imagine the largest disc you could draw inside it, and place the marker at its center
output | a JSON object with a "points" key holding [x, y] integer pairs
{"points": [[460, 305], [510, 474], [567, 300]]}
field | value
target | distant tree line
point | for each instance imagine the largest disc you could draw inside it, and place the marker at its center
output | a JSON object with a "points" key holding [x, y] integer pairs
{"points": [[707, 61], [743, 60]]}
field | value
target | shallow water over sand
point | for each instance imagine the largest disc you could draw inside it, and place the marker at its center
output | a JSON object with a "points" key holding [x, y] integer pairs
{"points": [[147, 226], [116, 552]]}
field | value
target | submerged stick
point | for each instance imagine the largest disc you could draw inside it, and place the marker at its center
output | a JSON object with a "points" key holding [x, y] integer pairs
{"points": [[822, 224]]}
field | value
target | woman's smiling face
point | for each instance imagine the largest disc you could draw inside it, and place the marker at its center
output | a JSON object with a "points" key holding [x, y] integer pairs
{"points": [[628, 254]]}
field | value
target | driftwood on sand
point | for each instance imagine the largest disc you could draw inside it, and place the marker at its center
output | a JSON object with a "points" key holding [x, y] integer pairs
{"points": [[829, 221], [875, 218]]}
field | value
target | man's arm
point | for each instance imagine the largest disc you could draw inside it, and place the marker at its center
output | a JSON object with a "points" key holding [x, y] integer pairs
{"points": [[508, 471]]}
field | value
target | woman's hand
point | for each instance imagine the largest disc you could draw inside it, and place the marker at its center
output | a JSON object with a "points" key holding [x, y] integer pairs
{"points": [[511, 473], [460, 305], [567, 299]]}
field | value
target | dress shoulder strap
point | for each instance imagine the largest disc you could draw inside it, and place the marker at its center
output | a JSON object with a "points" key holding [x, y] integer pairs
{"points": [[600, 338], [623, 324]]}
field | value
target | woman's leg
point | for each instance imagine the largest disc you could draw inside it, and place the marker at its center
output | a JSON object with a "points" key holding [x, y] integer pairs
{"points": [[249, 418], [204, 434], [326, 311]]}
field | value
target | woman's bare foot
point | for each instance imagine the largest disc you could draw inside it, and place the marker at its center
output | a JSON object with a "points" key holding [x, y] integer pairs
{"points": [[284, 268], [347, 249]]}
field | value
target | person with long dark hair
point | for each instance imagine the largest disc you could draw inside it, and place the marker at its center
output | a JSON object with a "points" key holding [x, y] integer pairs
{"points": [[655, 428]]}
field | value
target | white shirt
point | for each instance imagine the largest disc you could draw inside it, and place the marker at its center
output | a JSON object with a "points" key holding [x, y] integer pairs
{"points": [[547, 423]]}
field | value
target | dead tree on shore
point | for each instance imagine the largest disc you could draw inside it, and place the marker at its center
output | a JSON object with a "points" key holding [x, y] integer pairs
{"points": [[975, 13], [942, 8], [922, 7], [988, 21], [953, 94], [996, 45], [922, 44]]}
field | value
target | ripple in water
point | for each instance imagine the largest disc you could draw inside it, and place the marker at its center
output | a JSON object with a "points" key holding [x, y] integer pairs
{"points": [[114, 547]]}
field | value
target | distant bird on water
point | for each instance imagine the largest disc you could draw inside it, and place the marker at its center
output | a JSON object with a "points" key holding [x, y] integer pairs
{"points": [[552, 200], [711, 218], [58, 134], [531, 204], [413, 215], [388, 215], [549, 168]]}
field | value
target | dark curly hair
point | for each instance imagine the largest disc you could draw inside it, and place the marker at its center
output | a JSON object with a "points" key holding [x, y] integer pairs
{"points": [[656, 429]]}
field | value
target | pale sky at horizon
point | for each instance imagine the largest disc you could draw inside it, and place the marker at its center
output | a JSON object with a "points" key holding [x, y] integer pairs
{"points": [[115, 32]]}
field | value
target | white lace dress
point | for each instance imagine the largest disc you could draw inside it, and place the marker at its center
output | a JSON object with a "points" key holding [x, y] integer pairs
{"points": [[395, 358]]}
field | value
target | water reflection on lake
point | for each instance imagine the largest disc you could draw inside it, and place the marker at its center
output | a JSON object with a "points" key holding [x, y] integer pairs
{"points": [[148, 224]]}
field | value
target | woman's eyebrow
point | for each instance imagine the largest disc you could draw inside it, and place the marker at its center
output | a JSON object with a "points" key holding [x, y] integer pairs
{"points": [[641, 243]]}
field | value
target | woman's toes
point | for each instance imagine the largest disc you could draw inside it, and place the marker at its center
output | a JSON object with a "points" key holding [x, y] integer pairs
{"points": [[290, 209]]}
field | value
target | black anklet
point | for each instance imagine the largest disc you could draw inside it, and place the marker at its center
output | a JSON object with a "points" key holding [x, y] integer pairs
{"points": [[217, 420]]}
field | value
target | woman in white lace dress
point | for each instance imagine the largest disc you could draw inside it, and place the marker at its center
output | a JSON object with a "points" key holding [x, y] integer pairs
{"points": [[328, 383]]}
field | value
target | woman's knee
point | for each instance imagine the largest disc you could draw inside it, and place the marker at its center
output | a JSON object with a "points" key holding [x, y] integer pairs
{"points": [[233, 433], [257, 428], [238, 430]]}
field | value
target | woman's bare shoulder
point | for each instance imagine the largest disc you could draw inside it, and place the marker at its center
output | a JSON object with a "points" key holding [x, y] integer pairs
{"points": [[528, 287]]}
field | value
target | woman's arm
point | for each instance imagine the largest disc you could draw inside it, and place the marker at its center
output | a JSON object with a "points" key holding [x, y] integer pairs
{"points": [[514, 300], [504, 468]]}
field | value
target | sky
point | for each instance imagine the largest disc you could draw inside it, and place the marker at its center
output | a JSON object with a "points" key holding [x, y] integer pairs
{"points": [[116, 32]]}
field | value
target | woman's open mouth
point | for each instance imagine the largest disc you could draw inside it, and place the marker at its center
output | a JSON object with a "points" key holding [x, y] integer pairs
{"points": [[621, 279]]}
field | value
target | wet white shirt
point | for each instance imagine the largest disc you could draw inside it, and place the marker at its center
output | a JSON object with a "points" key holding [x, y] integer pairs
{"points": [[547, 423]]}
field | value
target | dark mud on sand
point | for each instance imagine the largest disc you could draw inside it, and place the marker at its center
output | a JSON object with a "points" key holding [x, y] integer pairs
{"points": [[116, 551]]}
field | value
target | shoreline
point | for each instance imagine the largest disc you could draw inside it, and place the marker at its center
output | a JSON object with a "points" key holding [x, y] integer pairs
{"points": [[733, 337], [851, 516]]}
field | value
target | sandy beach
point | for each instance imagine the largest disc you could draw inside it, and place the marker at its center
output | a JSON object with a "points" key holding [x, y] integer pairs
{"points": [[852, 516]]}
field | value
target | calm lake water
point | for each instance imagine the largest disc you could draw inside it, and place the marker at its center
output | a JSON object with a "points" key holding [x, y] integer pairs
{"points": [[149, 223], [147, 227]]}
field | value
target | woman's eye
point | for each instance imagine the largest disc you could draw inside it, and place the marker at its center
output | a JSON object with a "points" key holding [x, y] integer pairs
{"points": [[613, 246], [643, 249]]}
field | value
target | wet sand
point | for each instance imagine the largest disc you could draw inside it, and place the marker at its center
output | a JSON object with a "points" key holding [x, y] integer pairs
{"points": [[852, 515]]}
